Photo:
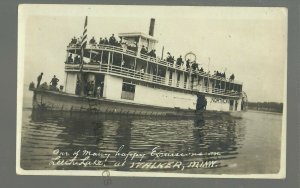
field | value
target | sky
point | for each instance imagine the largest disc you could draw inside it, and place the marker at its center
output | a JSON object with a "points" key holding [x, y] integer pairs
{"points": [[249, 42]]}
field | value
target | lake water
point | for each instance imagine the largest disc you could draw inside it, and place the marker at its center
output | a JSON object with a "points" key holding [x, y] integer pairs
{"points": [[247, 145]]}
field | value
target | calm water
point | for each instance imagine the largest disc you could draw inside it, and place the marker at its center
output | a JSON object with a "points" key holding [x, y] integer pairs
{"points": [[247, 145]]}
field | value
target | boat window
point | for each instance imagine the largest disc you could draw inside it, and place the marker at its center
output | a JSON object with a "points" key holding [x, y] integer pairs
{"points": [[128, 91]]}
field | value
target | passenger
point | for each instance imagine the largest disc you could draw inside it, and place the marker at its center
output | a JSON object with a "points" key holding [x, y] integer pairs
{"points": [[77, 60], [54, 81], [152, 53], [101, 41], [99, 91], [102, 88], [170, 59], [79, 40], [205, 104], [112, 40], [194, 65], [122, 63], [106, 41], [232, 77], [74, 40], [142, 72], [91, 88], [70, 59], [39, 78], [201, 69], [188, 64], [143, 50], [121, 42], [93, 41], [179, 61]]}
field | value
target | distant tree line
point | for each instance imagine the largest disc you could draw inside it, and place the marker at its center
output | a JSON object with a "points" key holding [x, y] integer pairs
{"points": [[266, 106]]}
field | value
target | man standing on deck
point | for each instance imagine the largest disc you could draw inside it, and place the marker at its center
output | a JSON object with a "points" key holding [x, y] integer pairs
{"points": [[54, 82], [112, 40], [39, 78], [205, 104], [99, 91]]}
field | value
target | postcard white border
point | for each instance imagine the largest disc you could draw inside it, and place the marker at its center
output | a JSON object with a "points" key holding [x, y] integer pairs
{"points": [[39, 9]]}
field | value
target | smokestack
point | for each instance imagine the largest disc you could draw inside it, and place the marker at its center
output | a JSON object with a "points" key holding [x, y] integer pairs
{"points": [[151, 28]]}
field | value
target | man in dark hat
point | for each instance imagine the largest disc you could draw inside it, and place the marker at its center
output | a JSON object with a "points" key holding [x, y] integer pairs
{"points": [[143, 50], [112, 40], [105, 41], [70, 59], [54, 81], [179, 61], [39, 78], [93, 41]]}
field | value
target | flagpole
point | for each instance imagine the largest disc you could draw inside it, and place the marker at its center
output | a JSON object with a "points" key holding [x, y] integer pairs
{"points": [[83, 45]]}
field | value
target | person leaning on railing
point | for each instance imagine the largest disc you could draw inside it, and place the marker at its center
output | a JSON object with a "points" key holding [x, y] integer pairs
{"points": [[92, 41], [152, 53], [77, 60], [101, 40], [170, 59], [179, 61], [143, 50], [73, 41], [70, 59], [54, 83], [105, 41], [187, 64], [142, 72], [112, 40]]}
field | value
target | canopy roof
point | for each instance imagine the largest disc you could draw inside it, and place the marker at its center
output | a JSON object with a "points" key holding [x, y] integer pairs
{"points": [[138, 34]]}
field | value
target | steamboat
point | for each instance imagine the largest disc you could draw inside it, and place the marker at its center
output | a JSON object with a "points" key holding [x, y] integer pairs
{"points": [[126, 77]]}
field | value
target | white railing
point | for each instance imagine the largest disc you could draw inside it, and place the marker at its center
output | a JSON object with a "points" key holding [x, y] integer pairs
{"points": [[151, 59], [170, 82], [137, 75]]}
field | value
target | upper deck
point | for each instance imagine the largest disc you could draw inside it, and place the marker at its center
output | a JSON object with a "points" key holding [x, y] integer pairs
{"points": [[230, 88]]}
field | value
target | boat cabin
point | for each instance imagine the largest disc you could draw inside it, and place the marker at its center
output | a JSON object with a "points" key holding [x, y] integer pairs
{"points": [[138, 40], [122, 72]]}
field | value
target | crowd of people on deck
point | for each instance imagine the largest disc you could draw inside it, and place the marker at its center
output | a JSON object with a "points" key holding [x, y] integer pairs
{"points": [[179, 62], [189, 65], [111, 41], [76, 60], [53, 83], [151, 53], [223, 75], [219, 74]]}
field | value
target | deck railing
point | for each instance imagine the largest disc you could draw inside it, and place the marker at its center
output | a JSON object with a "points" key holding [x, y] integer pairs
{"points": [[150, 78], [151, 59]]}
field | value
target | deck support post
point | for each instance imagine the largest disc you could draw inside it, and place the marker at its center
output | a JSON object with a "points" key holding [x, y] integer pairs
{"points": [[108, 60]]}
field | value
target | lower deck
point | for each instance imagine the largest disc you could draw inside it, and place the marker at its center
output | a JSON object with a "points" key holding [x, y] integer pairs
{"points": [[121, 89]]}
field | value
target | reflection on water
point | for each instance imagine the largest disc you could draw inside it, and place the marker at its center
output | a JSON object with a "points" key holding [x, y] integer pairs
{"points": [[247, 145]]}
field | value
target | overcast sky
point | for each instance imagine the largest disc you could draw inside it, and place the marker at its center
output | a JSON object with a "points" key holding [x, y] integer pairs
{"points": [[249, 42]]}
